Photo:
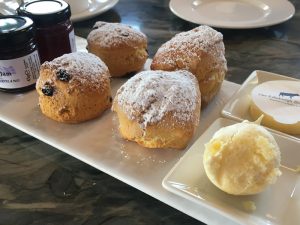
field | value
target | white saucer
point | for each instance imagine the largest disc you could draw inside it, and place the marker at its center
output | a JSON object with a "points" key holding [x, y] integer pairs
{"points": [[96, 7], [236, 14]]}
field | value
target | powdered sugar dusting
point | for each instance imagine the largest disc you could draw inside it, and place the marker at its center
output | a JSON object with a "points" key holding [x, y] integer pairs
{"points": [[150, 95], [83, 67], [115, 35], [188, 45]]}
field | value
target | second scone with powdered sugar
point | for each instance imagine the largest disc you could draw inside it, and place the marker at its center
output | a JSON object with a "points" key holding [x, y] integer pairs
{"points": [[200, 51], [159, 109], [122, 48]]}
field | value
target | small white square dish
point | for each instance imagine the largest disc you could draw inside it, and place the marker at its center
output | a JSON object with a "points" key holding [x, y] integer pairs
{"points": [[237, 108], [278, 204]]}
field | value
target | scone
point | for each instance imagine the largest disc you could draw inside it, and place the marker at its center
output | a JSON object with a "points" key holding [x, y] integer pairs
{"points": [[159, 109], [123, 49], [200, 51], [74, 88], [242, 159]]}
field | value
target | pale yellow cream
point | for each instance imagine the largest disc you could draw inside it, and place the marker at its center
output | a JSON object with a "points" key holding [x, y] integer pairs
{"points": [[242, 159]]}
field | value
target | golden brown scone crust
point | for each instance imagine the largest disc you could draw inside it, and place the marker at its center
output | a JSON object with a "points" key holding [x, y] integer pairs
{"points": [[74, 88], [123, 49], [200, 51], [159, 109]]}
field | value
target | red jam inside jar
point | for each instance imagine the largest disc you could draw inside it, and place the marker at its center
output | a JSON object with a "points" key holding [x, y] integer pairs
{"points": [[55, 32]]}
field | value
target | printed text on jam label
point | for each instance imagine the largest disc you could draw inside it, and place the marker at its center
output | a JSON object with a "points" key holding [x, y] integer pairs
{"points": [[7, 71]]}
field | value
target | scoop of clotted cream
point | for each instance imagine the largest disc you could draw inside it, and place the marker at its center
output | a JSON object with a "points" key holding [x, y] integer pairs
{"points": [[242, 159]]}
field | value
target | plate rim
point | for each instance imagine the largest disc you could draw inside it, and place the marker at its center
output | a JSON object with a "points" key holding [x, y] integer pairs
{"points": [[86, 14], [288, 4]]}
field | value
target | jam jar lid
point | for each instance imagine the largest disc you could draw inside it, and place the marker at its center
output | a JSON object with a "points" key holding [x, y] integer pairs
{"points": [[45, 12], [15, 30]]}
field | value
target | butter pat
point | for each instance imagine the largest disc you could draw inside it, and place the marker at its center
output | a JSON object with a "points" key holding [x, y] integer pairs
{"points": [[279, 101], [242, 159]]}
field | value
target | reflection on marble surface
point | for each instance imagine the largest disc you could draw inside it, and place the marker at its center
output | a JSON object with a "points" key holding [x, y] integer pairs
{"points": [[41, 185]]}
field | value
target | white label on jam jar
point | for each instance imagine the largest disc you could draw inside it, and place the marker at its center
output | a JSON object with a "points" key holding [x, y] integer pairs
{"points": [[19, 72], [72, 41]]}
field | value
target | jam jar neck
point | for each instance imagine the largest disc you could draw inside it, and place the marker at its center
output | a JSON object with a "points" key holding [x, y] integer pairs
{"points": [[17, 36], [18, 51], [63, 25]]}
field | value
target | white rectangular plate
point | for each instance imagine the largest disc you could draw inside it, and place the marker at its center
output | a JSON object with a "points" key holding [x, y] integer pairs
{"points": [[98, 144], [237, 108], [279, 204]]}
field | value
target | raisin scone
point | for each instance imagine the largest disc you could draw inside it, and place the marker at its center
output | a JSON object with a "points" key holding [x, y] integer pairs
{"points": [[74, 88]]}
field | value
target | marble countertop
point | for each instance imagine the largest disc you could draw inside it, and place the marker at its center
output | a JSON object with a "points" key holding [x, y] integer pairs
{"points": [[41, 185]]}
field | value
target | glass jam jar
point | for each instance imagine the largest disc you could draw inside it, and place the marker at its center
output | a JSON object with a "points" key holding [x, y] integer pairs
{"points": [[19, 58], [55, 32]]}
